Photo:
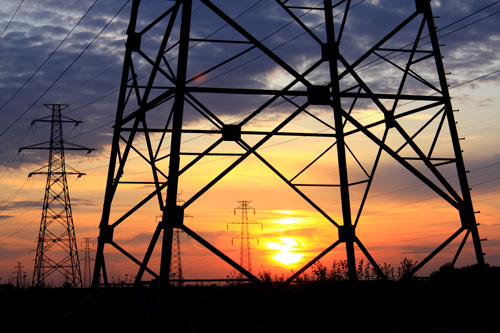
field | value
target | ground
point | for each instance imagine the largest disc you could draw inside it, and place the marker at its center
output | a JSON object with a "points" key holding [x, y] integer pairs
{"points": [[458, 304]]}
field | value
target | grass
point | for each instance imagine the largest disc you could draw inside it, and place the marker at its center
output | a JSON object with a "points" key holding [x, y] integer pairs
{"points": [[454, 304]]}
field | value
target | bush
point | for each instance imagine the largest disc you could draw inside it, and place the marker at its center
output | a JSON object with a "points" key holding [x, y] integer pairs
{"points": [[340, 272]]}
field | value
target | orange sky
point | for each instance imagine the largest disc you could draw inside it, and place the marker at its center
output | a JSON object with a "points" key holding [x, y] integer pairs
{"points": [[400, 221], [402, 218]]}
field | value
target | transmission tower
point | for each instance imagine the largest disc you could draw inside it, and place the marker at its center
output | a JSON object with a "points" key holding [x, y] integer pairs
{"points": [[245, 236], [57, 249], [87, 271], [176, 265], [20, 276], [389, 98]]}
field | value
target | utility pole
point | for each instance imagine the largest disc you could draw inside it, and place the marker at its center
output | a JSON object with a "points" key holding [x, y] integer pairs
{"points": [[245, 236], [57, 250]]}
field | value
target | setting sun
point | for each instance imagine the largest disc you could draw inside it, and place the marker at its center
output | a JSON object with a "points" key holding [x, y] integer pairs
{"points": [[286, 248]]}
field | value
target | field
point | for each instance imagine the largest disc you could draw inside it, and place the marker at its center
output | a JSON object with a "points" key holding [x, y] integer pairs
{"points": [[459, 304]]}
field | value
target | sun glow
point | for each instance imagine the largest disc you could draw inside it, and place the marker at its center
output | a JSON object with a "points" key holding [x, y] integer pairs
{"points": [[286, 248]]}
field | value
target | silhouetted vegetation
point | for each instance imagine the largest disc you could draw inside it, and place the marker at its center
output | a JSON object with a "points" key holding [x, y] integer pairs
{"points": [[448, 271], [339, 271], [452, 299]]}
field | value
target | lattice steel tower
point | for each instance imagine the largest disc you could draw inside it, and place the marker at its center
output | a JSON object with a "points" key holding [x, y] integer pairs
{"points": [[176, 264], [244, 236], [57, 249], [368, 101], [87, 259], [20, 276]]}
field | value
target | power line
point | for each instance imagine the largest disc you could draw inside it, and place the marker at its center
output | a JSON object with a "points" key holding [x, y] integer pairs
{"points": [[10, 21], [48, 58], [450, 87], [475, 79], [67, 68], [466, 17], [377, 62], [286, 42]]}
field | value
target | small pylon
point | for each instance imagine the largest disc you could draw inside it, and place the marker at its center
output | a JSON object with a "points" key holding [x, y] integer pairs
{"points": [[87, 272], [176, 265], [57, 250], [20, 276], [245, 236]]}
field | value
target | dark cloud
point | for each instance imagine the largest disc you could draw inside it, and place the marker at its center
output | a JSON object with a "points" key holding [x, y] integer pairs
{"points": [[21, 204], [91, 84]]}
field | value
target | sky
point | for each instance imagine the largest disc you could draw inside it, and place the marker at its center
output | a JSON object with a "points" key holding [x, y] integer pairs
{"points": [[71, 52]]}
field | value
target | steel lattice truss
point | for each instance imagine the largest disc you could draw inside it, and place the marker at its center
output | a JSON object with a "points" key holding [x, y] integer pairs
{"points": [[56, 251], [390, 94]]}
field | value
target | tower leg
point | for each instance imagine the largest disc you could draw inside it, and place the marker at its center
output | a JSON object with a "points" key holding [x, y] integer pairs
{"points": [[339, 131], [170, 218], [466, 209]]}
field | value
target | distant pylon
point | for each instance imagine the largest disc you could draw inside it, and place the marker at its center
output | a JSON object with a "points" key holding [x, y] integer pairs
{"points": [[87, 272], [245, 236], [20, 276], [176, 265], [57, 232]]}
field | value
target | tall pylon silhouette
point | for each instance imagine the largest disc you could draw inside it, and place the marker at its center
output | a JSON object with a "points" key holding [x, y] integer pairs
{"points": [[57, 248], [244, 236], [369, 108]]}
